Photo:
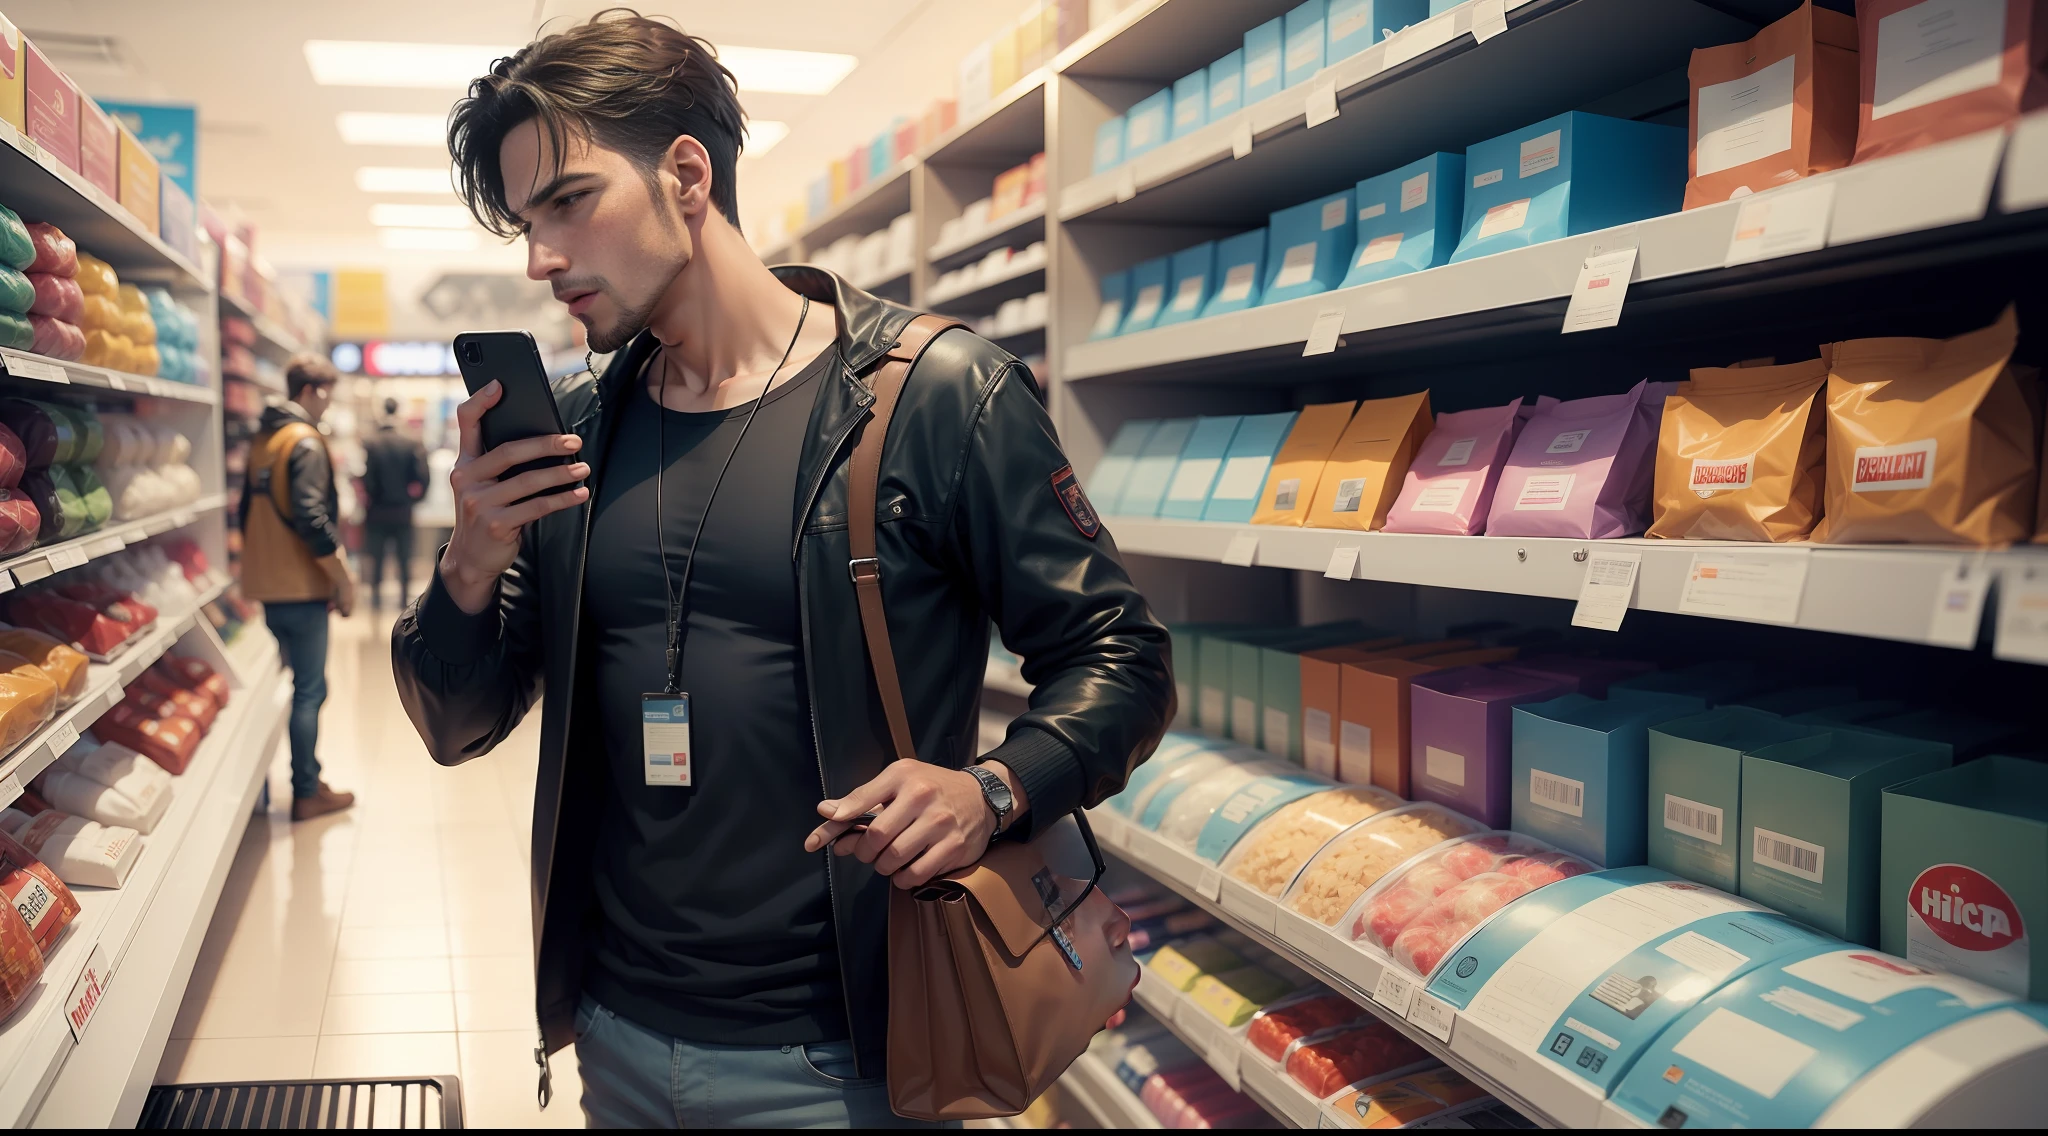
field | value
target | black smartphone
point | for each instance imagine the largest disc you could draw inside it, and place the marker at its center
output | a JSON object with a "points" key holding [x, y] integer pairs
{"points": [[526, 408]]}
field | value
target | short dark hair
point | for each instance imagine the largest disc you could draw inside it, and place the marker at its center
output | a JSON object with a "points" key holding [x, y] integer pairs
{"points": [[621, 80], [391, 407], [305, 370]]}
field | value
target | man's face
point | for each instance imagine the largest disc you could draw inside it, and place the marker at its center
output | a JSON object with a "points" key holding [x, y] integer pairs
{"points": [[607, 245], [315, 398]]}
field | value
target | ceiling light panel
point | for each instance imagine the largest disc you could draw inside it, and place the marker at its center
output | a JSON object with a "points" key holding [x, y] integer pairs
{"points": [[392, 215], [366, 128], [763, 134], [772, 70], [437, 240], [366, 63], [406, 179]]}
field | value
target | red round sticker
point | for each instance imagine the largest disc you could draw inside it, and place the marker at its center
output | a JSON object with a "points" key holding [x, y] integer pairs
{"points": [[1966, 908]]}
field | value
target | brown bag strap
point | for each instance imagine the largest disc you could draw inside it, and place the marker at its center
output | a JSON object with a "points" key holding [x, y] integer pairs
{"points": [[864, 472]]}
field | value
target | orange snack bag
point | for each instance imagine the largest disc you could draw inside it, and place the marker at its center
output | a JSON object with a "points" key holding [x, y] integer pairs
{"points": [[1365, 470], [1773, 109], [1299, 464], [1741, 454]]}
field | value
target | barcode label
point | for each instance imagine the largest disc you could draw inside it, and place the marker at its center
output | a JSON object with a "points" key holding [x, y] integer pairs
{"points": [[1561, 794], [1788, 854], [1692, 819]]}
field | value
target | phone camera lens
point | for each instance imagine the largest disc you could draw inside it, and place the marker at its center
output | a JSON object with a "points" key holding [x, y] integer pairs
{"points": [[474, 352]]}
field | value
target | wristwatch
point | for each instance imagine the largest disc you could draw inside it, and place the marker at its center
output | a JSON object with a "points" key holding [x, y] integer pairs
{"points": [[996, 794]]}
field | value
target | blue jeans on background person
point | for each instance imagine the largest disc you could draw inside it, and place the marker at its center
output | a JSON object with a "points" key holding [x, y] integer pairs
{"points": [[634, 1077], [301, 630]]}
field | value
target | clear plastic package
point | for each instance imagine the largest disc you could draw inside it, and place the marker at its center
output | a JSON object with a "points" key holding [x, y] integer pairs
{"points": [[1337, 875], [1269, 856], [1402, 898], [1189, 811], [1150, 806]]}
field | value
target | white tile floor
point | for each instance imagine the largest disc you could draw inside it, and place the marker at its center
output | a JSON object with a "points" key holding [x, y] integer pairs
{"points": [[390, 939]]}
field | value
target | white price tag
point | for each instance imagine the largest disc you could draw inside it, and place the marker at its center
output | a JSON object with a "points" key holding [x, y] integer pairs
{"points": [[1601, 288], [1322, 334], [29, 146], [33, 570], [62, 737], [2023, 617], [180, 520], [1321, 106], [6, 582], [1241, 138], [1787, 222], [10, 789], [105, 546], [1396, 989], [1433, 1016], [1609, 586], [1343, 563], [1244, 548], [22, 367], [1959, 605], [1209, 884], [68, 557], [1489, 19], [1764, 587], [87, 993], [1126, 183], [117, 382]]}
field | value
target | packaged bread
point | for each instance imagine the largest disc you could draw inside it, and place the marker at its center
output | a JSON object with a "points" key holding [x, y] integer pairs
{"points": [[21, 963], [97, 277], [137, 324], [17, 294], [102, 314], [1450, 483], [54, 337], [1774, 108], [1930, 441], [1365, 469], [83, 853], [194, 704], [175, 703], [167, 741], [1931, 70], [17, 247], [65, 665], [56, 253], [195, 675], [1741, 454], [109, 783], [21, 522], [1269, 855], [1581, 469], [28, 699], [1401, 897], [1298, 467], [16, 331], [57, 296], [1345, 867], [45, 905]]}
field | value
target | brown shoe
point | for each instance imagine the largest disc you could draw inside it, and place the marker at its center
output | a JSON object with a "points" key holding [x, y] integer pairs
{"points": [[321, 803]]}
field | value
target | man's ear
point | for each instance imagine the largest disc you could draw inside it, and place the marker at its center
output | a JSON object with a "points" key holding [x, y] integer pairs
{"points": [[689, 163]]}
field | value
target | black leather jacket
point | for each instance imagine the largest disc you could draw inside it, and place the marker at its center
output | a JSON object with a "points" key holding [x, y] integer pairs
{"points": [[972, 528]]}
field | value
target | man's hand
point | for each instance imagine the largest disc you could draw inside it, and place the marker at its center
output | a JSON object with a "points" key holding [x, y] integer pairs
{"points": [[489, 513], [344, 581], [929, 820]]}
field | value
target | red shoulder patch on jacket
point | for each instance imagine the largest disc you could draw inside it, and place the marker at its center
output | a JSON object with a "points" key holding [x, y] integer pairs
{"points": [[1067, 488]]}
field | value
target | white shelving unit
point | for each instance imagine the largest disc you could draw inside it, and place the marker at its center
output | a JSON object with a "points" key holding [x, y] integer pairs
{"points": [[1095, 1086], [273, 341]]}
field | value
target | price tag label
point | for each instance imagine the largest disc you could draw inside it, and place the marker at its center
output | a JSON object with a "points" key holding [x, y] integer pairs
{"points": [[10, 788], [1959, 604], [6, 582], [2023, 617], [1321, 106], [1786, 222], [117, 382], [22, 367], [1209, 884], [29, 146], [1395, 990], [1605, 594], [1601, 288], [1433, 1016], [105, 545], [68, 557], [1244, 548], [1126, 183], [1322, 334], [1343, 563], [1761, 587], [1241, 138], [1489, 19], [62, 737], [87, 993], [31, 571]]}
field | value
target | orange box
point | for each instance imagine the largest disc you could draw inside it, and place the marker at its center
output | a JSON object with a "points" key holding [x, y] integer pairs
{"points": [[1319, 703], [1007, 195], [140, 180], [1372, 699]]}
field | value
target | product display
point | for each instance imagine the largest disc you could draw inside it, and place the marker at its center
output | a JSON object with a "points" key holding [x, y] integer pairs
{"points": [[1277, 1027], [1450, 484], [83, 853], [1369, 462], [1418, 912], [1773, 109], [45, 905], [1327, 1064], [1741, 454], [1581, 770], [1269, 856], [1408, 218], [1567, 175], [1582, 468], [1931, 70], [1460, 736], [111, 784], [1333, 880]]}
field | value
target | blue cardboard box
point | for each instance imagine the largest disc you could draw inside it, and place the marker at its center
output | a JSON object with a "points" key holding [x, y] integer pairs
{"points": [[1308, 248], [1240, 270], [1106, 483], [1226, 85], [1116, 296], [1407, 218], [1304, 30], [1190, 103], [1148, 295], [1570, 174], [1154, 468], [1235, 496], [1264, 76], [1149, 121], [1581, 771], [1109, 145], [1189, 282], [1351, 26], [1200, 461]]}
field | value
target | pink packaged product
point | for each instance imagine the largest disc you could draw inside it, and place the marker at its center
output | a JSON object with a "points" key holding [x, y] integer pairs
{"points": [[1450, 483], [1582, 469]]}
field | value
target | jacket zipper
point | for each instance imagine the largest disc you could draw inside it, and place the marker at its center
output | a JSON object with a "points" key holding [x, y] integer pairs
{"points": [[825, 468]]}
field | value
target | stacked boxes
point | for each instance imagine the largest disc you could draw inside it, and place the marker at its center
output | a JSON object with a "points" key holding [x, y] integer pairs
{"points": [[1569, 174], [1408, 219], [1581, 769], [1461, 733], [1695, 789]]}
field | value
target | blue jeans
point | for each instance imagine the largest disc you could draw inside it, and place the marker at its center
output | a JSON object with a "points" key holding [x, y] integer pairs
{"points": [[634, 1077], [301, 630]]}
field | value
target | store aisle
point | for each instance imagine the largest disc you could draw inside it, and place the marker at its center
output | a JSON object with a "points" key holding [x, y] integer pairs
{"points": [[391, 939]]}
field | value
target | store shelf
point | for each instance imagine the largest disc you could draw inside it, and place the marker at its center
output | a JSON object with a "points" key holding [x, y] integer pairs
{"points": [[41, 188], [1910, 212], [273, 340], [876, 204], [272, 382], [1021, 277], [1014, 229], [1010, 128], [53, 558], [893, 284], [164, 905], [1091, 1083], [30, 367], [1877, 591], [1162, 40], [1019, 334]]}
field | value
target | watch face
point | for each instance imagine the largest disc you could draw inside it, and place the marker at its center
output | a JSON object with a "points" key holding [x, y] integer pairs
{"points": [[997, 793]]}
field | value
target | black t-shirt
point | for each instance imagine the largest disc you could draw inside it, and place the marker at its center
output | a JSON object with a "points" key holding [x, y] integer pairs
{"points": [[716, 924]]}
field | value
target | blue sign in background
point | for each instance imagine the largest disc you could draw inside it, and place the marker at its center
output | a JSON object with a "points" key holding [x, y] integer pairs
{"points": [[170, 132]]}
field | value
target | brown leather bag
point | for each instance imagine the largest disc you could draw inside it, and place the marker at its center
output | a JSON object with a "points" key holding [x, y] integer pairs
{"points": [[999, 973], [277, 567]]}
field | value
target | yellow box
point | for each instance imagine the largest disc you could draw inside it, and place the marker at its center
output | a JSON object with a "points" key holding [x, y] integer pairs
{"points": [[1002, 62], [140, 181], [13, 77], [1031, 39], [841, 181]]}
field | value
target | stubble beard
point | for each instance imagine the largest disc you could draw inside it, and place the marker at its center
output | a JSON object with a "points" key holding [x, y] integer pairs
{"points": [[633, 320]]}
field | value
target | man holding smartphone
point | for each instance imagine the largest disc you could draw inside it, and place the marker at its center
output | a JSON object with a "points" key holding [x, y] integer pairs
{"points": [[677, 596]]}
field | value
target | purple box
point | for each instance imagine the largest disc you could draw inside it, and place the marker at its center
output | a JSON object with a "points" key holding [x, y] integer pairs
{"points": [[1461, 733], [1590, 677]]}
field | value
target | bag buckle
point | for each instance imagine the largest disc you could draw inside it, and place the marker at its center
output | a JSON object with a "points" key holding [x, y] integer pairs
{"points": [[865, 568]]}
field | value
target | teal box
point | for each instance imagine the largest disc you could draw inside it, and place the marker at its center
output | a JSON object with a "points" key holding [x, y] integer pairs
{"points": [[1354, 25], [1439, 7], [1115, 290], [1716, 683], [1407, 218], [1190, 103], [1304, 31], [1786, 702], [1811, 813], [1570, 174], [1186, 640], [1189, 280], [1276, 656], [1695, 789], [1148, 123], [1240, 266], [1106, 483], [878, 153], [1148, 295], [1201, 459], [1581, 771], [1109, 145], [1212, 683], [1226, 85], [1263, 77], [1308, 247], [1235, 496], [1153, 470]]}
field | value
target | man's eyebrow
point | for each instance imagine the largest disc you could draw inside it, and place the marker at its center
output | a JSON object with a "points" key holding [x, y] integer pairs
{"points": [[552, 187]]}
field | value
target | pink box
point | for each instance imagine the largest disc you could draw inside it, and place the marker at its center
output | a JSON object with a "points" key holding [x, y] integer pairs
{"points": [[99, 147], [52, 107]]}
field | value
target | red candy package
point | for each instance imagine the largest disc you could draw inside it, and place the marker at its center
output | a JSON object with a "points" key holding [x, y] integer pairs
{"points": [[56, 338], [57, 296], [1399, 899], [68, 620], [1276, 1027], [194, 675], [112, 602], [1453, 915], [38, 896], [189, 557], [177, 703], [20, 522], [1327, 1064], [167, 741], [55, 253]]}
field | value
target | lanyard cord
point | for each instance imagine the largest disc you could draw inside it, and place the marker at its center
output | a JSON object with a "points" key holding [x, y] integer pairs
{"points": [[676, 596]]}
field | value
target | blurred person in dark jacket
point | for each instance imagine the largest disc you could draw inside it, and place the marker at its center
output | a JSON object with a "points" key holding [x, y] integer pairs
{"points": [[394, 480]]}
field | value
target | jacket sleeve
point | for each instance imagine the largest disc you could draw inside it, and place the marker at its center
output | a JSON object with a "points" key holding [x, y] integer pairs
{"points": [[467, 680], [1098, 662], [420, 473], [312, 479]]}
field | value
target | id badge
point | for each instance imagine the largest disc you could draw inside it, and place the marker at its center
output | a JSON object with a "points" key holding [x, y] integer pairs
{"points": [[665, 738]]}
